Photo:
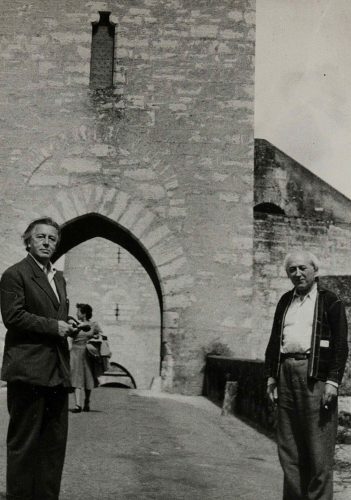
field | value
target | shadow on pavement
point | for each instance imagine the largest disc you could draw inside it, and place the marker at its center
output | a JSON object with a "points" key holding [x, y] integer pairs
{"points": [[83, 412]]}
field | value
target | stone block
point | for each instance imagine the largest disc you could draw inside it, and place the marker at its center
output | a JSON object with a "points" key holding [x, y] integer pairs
{"points": [[140, 174], [155, 236], [165, 44], [65, 205], [120, 205], [133, 11], [176, 301], [178, 284], [204, 31], [172, 268], [235, 15], [162, 255], [231, 35], [78, 203], [175, 212], [49, 180], [102, 150], [225, 258], [171, 319], [142, 224], [130, 215], [152, 191], [229, 197], [80, 165]]}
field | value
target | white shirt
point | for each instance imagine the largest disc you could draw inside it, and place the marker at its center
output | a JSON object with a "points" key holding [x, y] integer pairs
{"points": [[50, 272], [298, 323]]}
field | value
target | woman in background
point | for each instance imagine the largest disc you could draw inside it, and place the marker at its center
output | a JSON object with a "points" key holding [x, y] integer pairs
{"points": [[82, 371]]}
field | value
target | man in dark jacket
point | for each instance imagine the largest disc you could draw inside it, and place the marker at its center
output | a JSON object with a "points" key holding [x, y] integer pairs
{"points": [[34, 309], [305, 362]]}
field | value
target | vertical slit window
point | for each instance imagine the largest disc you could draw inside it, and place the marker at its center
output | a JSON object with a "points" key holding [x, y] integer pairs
{"points": [[102, 52]]}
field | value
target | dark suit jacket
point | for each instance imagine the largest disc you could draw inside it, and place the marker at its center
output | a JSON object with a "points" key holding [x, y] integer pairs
{"points": [[34, 352]]}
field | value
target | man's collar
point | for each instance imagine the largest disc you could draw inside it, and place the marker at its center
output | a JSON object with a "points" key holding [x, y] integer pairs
{"points": [[309, 294], [49, 267]]}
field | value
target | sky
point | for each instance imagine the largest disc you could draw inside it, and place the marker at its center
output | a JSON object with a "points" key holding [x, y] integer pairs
{"points": [[303, 84]]}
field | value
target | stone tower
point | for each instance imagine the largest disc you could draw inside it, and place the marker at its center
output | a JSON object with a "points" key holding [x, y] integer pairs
{"points": [[131, 123]]}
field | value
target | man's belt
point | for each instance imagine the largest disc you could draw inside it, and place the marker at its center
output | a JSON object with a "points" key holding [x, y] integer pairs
{"points": [[295, 355]]}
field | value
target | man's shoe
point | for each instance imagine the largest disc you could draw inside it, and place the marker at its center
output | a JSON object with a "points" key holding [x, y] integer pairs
{"points": [[86, 407], [77, 409]]}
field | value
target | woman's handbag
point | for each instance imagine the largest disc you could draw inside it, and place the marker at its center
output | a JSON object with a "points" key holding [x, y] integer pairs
{"points": [[93, 348]]}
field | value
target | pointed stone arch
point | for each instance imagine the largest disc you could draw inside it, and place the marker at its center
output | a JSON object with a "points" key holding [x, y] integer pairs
{"points": [[91, 225], [143, 234]]}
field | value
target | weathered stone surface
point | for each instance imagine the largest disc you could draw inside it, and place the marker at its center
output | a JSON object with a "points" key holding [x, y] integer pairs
{"points": [[80, 165], [172, 268], [153, 237], [50, 180]]}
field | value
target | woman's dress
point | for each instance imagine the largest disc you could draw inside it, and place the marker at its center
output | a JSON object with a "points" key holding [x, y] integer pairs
{"points": [[82, 370]]}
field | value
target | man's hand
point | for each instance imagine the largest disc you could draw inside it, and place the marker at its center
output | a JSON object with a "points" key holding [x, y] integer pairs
{"points": [[329, 395], [272, 392], [72, 321], [65, 329]]}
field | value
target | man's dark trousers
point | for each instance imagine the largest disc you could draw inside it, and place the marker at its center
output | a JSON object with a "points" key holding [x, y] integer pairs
{"points": [[36, 440], [306, 434]]}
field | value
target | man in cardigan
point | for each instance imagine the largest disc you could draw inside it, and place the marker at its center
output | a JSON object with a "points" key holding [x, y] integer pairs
{"points": [[305, 362], [34, 309]]}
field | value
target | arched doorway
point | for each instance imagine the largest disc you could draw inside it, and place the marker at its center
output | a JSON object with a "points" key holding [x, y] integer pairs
{"points": [[124, 289]]}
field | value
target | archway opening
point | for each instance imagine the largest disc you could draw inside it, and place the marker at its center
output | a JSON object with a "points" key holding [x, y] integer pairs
{"points": [[92, 225], [118, 376], [122, 286], [268, 208]]}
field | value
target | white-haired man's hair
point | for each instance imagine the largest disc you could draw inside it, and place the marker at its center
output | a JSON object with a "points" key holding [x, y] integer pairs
{"points": [[310, 256]]}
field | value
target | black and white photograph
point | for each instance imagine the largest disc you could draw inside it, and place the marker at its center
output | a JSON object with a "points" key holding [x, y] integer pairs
{"points": [[175, 235]]}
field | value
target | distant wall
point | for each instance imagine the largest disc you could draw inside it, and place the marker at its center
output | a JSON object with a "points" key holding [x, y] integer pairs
{"points": [[281, 180]]}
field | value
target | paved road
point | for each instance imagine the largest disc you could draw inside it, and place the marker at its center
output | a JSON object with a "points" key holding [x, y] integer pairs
{"points": [[137, 446]]}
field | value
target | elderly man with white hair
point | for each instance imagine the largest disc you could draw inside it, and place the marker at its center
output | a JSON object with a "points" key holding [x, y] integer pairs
{"points": [[305, 362]]}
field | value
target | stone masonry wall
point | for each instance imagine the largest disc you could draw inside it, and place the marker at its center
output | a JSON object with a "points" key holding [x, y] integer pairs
{"points": [[282, 181], [167, 152]]}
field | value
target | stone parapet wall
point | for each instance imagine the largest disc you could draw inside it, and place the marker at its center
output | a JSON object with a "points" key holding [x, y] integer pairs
{"points": [[250, 401]]}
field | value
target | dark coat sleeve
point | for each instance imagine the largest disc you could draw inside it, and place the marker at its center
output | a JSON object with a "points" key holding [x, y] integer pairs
{"points": [[272, 351], [14, 307], [273, 347], [339, 344]]}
